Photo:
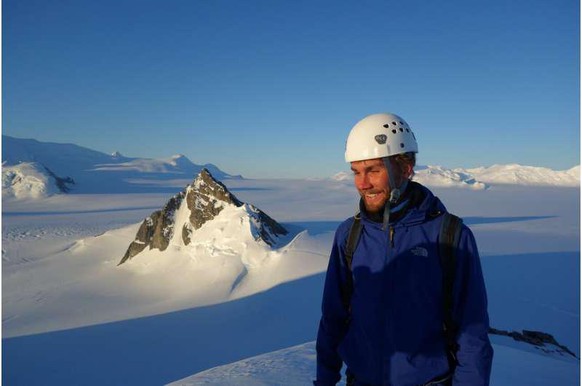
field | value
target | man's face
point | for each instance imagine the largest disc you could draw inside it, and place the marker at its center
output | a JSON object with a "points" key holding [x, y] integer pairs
{"points": [[371, 180]]}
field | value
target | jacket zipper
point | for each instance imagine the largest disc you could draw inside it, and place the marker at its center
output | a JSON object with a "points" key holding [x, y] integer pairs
{"points": [[392, 237]]}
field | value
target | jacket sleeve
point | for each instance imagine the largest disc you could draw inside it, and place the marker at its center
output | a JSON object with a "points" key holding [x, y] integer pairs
{"points": [[475, 353], [332, 326]]}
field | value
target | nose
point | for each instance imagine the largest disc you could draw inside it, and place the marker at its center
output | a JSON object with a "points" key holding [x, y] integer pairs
{"points": [[362, 181]]}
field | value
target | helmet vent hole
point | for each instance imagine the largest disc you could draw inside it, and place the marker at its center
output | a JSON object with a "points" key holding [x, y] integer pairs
{"points": [[394, 123], [402, 145], [386, 126], [401, 123], [394, 131], [401, 130], [407, 130]]}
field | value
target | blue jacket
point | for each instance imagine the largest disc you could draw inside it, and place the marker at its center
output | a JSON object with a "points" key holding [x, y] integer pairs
{"points": [[395, 335]]}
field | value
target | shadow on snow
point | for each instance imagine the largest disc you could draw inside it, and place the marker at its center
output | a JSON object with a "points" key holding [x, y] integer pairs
{"points": [[317, 227], [163, 348], [21, 214]]}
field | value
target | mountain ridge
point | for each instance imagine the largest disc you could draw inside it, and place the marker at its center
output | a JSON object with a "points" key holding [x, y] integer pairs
{"points": [[94, 171], [482, 178]]}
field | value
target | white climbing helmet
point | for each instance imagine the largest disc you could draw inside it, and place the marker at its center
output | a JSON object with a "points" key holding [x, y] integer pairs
{"points": [[378, 136]]}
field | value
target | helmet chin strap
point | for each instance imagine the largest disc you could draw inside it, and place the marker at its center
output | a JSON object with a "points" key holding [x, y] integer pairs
{"points": [[395, 192]]}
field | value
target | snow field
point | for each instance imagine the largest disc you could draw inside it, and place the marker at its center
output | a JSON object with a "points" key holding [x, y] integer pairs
{"points": [[165, 316]]}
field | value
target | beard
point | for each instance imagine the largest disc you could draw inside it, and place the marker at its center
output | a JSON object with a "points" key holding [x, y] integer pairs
{"points": [[374, 201]]}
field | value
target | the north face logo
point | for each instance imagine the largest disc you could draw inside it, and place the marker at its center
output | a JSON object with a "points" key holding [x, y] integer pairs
{"points": [[419, 251]]}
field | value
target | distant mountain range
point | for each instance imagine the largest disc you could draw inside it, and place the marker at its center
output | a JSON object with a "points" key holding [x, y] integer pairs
{"points": [[484, 177], [34, 169]]}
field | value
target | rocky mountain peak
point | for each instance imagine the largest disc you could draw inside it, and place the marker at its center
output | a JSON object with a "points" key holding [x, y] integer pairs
{"points": [[199, 203], [205, 188], [206, 197]]}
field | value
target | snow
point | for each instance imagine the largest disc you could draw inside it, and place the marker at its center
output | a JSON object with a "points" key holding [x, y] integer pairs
{"points": [[442, 177], [96, 172], [182, 218], [201, 273], [182, 313], [28, 180], [525, 175], [177, 164], [294, 366], [484, 177], [290, 366]]}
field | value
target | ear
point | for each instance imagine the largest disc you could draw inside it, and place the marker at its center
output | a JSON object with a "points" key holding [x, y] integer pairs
{"points": [[407, 170]]}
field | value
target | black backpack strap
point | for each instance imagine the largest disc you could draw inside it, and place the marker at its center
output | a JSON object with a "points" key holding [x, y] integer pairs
{"points": [[352, 240], [351, 244], [449, 236]]}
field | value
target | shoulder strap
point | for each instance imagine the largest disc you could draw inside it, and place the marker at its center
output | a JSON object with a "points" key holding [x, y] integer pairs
{"points": [[351, 244], [352, 240], [449, 236]]}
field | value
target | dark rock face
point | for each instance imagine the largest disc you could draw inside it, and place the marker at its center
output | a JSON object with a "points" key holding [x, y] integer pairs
{"points": [[206, 198], [265, 227], [535, 338], [156, 230], [61, 182]]}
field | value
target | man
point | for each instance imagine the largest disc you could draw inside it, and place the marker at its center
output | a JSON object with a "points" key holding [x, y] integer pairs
{"points": [[389, 330]]}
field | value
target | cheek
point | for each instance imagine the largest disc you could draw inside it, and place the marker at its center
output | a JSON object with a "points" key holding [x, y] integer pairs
{"points": [[380, 182]]}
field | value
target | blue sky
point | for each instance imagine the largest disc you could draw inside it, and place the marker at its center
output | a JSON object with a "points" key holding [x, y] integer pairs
{"points": [[271, 88]]}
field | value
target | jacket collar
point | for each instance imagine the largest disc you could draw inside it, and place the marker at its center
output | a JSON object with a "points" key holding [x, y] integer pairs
{"points": [[423, 205]]}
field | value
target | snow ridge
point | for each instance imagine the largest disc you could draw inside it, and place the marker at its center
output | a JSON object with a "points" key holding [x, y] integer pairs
{"points": [[483, 177], [295, 366], [31, 180], [514, 174], [96, 172]]}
